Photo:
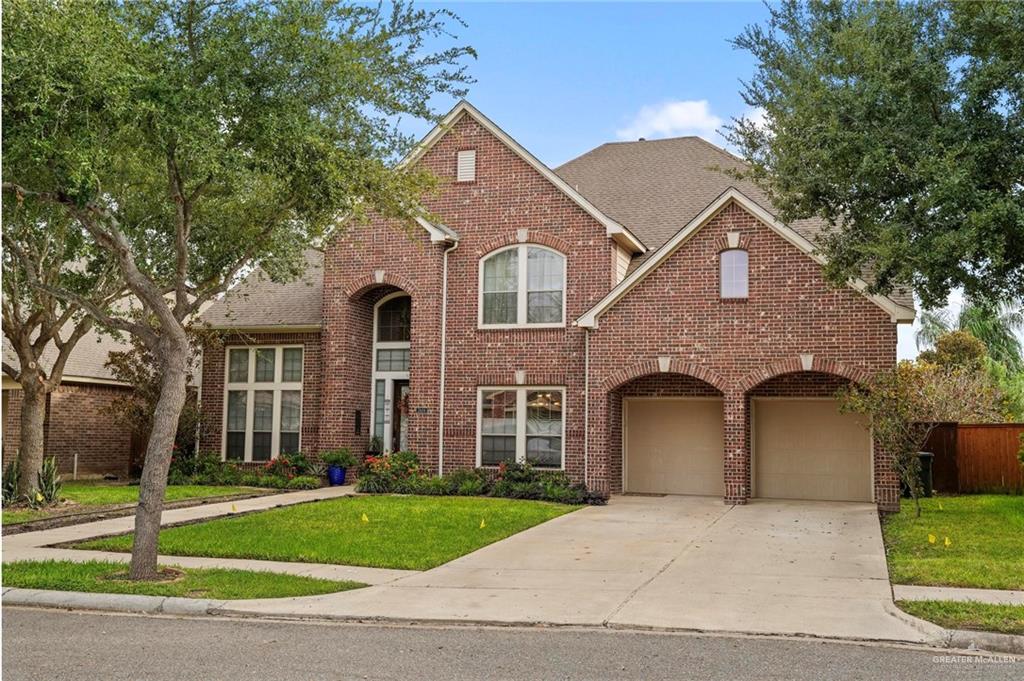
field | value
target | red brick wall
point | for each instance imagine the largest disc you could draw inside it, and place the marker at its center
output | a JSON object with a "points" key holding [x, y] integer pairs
{"points": [[676, 312], [212, 395], [507, 195], [75, 423]]}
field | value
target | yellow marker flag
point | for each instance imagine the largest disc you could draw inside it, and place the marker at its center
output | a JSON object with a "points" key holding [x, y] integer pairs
{"points": [[947, 543], [931, 538], [234, 509], [365, 519], [483, 523], [39, 497], [940, 505]]}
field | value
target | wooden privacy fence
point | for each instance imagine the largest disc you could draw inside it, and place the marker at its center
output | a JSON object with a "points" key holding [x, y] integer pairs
{"points": [[977, 458]]}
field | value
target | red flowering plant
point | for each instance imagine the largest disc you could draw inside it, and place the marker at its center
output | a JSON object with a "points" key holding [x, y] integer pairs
{"points": [[394, 472], [280, 466]]}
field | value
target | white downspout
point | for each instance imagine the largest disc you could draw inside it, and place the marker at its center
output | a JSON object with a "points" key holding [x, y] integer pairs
{"points": [[586, 405], [444, 356]]}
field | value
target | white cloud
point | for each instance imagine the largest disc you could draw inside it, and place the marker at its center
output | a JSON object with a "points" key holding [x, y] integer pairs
{"points": [[673, 119], [756, 115]]}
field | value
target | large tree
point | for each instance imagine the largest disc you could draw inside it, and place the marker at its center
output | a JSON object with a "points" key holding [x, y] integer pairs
{"points": [[997, 325], [901, 124], [232, 134], [40, 246]]}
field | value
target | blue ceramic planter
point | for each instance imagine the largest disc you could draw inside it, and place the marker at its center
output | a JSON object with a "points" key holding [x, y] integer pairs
{"points": [[336, 475]]}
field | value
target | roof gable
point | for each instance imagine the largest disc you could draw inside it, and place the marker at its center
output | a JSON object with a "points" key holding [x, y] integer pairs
{"points": [[589, 319], [613, 228]]}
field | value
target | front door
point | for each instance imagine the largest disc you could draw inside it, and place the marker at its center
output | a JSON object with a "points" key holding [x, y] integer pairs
{"points": [[400, 419]]}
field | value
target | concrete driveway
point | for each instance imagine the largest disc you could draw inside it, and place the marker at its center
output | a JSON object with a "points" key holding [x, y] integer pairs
{"points": [[789, 567]]}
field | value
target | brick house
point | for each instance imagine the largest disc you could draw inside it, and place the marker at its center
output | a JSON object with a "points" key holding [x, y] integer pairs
{"points": [[85, 439], [636, 317]]}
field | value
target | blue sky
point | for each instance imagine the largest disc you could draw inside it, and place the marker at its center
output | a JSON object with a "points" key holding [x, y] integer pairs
{"points": [[562, 78]]}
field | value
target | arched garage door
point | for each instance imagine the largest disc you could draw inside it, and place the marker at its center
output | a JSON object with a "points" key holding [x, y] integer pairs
{"points": [[673, 445], [806, 449]]}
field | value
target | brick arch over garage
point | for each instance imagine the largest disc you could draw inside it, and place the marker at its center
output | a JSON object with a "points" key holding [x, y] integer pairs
{"points": [[800, 364], [357, 286], [655, 366]]}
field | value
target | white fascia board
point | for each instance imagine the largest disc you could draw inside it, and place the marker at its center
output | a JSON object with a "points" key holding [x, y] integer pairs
{"points": [[589, 319], [612, 228], [438, 233]]}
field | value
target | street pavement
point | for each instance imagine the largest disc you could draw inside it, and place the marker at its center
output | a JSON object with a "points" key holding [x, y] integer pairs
{"points": [[47, 644]]}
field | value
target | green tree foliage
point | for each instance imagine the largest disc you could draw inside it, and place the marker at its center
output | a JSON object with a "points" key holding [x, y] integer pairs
{"points": [[192, 140], [901, 124], [956, 350], [904, 403], [997, 325]]}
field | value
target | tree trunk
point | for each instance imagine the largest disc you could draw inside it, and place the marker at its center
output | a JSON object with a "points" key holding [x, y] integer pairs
{"points": [[33, 433], [173, 351]]}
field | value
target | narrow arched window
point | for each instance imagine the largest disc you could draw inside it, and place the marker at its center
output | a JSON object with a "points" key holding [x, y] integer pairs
{"points": [[734, 272], [522, 285]]}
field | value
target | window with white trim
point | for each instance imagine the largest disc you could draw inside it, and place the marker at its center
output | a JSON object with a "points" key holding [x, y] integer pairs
{"points": [[521, 424], [263, 398], [734, 273], [522, 285]]}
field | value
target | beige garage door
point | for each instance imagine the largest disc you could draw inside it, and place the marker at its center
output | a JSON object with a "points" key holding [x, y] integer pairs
{"points": [[673, 446], [806, 449]]}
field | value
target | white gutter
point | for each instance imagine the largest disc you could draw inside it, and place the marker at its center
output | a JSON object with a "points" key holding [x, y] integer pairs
{"points": [[586, 405], [444, 356]]}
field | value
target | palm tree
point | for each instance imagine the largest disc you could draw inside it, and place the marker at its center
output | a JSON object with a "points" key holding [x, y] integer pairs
{"points": [[997, 325]]}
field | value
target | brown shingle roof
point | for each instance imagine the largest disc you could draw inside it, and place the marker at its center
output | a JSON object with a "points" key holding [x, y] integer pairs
{"points": [[87, 359], [258, 302], [655, 187]]}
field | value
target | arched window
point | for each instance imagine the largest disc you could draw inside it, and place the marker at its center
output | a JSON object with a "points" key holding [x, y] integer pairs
{"points": [[522, 285], [734, 273]]}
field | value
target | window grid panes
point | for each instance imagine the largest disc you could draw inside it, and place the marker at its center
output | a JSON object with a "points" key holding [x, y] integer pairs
{"points": [[521, 424], [263, 404], [238, 365], [394, 320], [501, 287], [378, 408], [734, 272], [291, 365], [265, 365], [523, 285], [393, 360]]}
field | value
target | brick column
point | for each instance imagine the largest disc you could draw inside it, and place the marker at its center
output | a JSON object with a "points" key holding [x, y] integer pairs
{"points": [[737, 449]]}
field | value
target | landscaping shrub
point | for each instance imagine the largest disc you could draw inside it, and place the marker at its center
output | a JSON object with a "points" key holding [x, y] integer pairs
{"points": [[281, 466], [274, 481], [342, 458], [251, 480], [299, 463], [48, 483], [400, 473], [12, 475], [304, 482]]}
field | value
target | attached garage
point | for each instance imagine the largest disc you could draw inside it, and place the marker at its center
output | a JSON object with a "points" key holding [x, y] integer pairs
{"points": [[673, 445], [807, 449]]}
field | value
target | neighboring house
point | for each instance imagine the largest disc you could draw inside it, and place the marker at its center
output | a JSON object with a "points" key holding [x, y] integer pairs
{"points": [[635, 317], [83, 437]]}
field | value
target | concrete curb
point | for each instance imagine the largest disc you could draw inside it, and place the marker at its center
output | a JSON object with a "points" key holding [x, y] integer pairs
{"points": [[78, 600], [985, 640], [193, 607]]}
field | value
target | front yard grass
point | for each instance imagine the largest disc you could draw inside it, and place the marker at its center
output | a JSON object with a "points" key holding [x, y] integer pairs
{"points": [[1005, 619], [986, 534], [405, 532], [85, 494], [212, 583]]}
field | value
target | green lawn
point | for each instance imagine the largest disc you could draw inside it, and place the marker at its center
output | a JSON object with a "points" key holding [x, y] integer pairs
{"points": [[1005, 619], [104, 493], [408, 532], [215, 584], [986, 534]]}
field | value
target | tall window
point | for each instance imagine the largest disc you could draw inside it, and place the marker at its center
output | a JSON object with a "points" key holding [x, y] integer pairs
{"points": [[521, 424], [734, 273], [391, 351], [264, 403], [522, 285]]}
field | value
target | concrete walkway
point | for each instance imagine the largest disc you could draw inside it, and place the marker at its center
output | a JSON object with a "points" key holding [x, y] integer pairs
{"points": [[36, 545], [772, 567], [910, 592]]}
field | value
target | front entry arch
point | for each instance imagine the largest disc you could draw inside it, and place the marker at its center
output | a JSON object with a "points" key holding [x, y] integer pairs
{"points": [[392, 322]]}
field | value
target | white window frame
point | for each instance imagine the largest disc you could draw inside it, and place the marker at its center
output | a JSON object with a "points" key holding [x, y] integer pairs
{"points": [[389, 377], [521, 289], [521, 392], [250, 387], [721, 275]]}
